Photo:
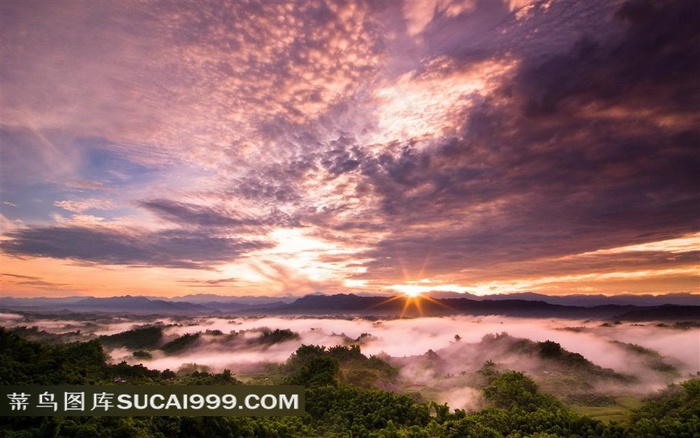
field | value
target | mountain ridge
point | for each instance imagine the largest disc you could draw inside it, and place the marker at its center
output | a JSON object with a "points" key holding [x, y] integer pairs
{"points": [[351, 304]]}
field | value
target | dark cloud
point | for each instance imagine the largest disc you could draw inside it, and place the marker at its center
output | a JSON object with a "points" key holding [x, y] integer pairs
{"points": [[265, 189], [277, 182], [655, 65], [345, 156], [342, 164], [579, 151], [283, 182], [451, 34], [25, 277], [30, 280], [174, 249], [491, 29], [203, 216], [191, 214]]}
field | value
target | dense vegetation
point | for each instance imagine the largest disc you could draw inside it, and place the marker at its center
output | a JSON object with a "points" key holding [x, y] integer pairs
{"points": [[340, 402], [277, 336], [180, 344], [138, 338]]}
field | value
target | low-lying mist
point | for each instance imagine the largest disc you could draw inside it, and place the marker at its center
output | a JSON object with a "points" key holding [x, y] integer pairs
{"points": [[439, 356]]}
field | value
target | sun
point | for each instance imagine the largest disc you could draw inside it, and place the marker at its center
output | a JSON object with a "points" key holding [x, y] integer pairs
{"points": [[410, 290], [412, 297]]}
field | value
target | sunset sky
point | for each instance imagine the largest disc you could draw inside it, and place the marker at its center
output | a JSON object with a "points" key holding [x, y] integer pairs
{"points": [[236, 148]]}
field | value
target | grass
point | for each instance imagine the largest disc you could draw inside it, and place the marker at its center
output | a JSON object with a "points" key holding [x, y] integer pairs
{"points": [[618, 412], [629, 402], [604, 413]]}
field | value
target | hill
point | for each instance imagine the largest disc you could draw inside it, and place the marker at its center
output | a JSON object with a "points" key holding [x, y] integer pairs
{"points": [[351, 304]]}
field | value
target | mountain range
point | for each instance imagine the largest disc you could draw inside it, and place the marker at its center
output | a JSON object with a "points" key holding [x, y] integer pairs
{"points": [[629, 307]]}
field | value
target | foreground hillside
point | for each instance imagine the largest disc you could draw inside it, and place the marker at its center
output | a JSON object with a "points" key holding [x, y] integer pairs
{"points": [[340, 402]]}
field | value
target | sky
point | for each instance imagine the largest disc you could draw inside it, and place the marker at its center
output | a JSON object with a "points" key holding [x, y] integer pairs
{"points": [[282, 148]]}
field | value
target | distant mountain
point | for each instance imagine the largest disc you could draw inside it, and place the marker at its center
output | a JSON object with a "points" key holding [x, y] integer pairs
{"points": [[124, 304], [667, 312], [137, 305], [245, 300], [339, 302], [350, 304], [232, 306], [680, 299]]}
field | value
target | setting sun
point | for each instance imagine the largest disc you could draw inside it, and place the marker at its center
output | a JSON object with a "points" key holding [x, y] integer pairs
{"points": [[410, 290]]}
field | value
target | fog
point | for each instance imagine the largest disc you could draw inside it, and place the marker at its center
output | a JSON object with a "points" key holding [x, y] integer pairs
{"points": [[446, 375], [409, 337]]}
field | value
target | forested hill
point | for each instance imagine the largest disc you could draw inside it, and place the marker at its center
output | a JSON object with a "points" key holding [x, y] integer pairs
{"points": [[335, 405]]}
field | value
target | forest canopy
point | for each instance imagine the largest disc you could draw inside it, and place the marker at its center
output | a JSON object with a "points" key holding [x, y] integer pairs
{"points": [[338, 403]]}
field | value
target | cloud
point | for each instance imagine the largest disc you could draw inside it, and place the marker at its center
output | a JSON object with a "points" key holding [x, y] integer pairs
{"points": [[448, 139], [220, 282], [650, 69], [230, 86], [6, 225], [689, 243], [541, 169], [32, 157], [86, 204], [204, 216], [15, 279], [170, 248]]}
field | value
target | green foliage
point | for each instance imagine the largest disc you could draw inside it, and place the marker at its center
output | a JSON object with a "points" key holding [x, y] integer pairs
{"points": [[317, 366], [318, 371], [134, 372], [514, 389], [340, 410], [651, 358], [206, 378], [26, 362], [142, 354], [35, 334], [565, 369], [179, 344], [590, 399], [552, 350], [488, 372], [675, 413], [520, 409], [334, 407], [136, 339], [277, 336]]}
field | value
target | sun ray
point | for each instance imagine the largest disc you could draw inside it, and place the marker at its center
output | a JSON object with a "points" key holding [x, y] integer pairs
{"points": [[403, 269], [412, 293], [388, 300], [434, 301], [425, 263], [406, 305]]}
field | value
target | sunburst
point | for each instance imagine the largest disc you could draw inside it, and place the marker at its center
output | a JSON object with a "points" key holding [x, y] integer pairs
{"points": [[412, 291], [412, 301]]}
